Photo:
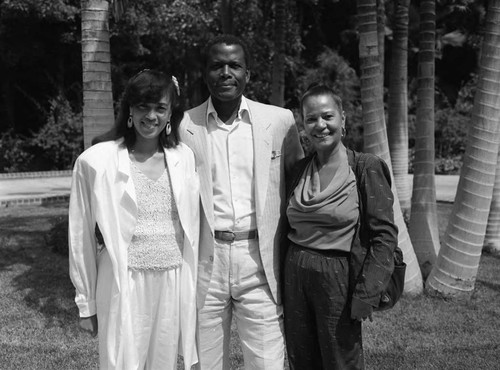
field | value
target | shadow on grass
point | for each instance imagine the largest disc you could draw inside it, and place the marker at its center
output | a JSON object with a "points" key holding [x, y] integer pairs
{"points": [[494, 255], [488, 284], [38, 275]]}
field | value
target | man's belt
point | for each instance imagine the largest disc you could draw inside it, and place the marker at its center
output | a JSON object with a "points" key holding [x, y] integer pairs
{"points": [[230, 236]]}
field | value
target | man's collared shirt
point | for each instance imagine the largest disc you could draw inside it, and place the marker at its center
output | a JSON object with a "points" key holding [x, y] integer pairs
{"points": [[231, 151]]}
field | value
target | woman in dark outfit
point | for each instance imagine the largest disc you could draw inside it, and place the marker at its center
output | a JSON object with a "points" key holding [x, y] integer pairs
{"points": [[338, 260]]}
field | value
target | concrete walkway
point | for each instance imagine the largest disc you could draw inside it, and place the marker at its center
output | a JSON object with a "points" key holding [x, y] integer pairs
{"points": [[446, 187], [34, 188], [38, 188]]}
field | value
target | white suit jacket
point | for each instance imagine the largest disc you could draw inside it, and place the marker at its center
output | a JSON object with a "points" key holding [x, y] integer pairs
{"points": [[103, 192], [276, 147]]}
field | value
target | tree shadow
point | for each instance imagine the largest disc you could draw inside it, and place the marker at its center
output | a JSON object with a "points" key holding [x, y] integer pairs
{"points": [[40, 276], [492, 255]]}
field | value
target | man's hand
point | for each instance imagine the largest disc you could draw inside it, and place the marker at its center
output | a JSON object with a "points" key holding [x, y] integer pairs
{"points": [[360, 310], [89, 324]]}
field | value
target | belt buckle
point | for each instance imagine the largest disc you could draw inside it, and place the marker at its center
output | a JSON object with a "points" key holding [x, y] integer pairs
{"points": [[227, 236], [231, 236]]}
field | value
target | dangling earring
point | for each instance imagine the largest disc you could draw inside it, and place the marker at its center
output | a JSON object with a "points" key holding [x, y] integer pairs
{"points": [[130, 122], [168, 128], [343, 131]]}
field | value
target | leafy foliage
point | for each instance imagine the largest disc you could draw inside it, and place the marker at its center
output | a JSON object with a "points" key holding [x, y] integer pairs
{"points": [[40, 57], [54, 147], [56, 10], [40, 61], [452, 125], [14, 152], [60, 140], [171, 35]]}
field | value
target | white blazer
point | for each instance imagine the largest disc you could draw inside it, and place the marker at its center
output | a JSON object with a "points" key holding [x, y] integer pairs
{"points": [[103, 192]]}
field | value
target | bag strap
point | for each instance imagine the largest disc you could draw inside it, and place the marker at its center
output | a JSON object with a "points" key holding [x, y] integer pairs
{"points": [[296, 174]]}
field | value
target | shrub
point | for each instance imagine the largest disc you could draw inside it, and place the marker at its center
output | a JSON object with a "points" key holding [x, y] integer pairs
{"points": [[54, 147], [448, 166], [15, 152], [60, 140], [450, 133], [451, 129]]}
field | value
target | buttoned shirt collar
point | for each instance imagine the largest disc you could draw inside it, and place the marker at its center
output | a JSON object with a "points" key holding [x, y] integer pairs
{"points": [[243, 113]]}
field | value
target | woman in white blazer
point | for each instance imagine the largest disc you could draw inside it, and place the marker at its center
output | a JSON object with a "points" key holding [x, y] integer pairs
{"points": [[134, 230]]}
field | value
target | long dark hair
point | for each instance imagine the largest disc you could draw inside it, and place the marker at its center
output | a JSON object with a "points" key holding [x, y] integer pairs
{"points": [[148, 86]]}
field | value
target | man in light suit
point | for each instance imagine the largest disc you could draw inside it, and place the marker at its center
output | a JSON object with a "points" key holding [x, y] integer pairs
{"points": [[242, 150]]}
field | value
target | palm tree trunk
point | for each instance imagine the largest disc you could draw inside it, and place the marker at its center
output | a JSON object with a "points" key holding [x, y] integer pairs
{"points": [[375, 135], [492, 238], [456, 269], [397, 127], [98, 113], [381, 38], [424, 231], [278, 77]]}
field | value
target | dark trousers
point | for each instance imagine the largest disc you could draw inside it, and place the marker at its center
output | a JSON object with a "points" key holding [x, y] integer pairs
{"points": [[319, 331]]}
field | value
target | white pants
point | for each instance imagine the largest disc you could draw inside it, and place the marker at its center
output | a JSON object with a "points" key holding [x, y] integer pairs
{"points": [[154, 307], [239, 286]]}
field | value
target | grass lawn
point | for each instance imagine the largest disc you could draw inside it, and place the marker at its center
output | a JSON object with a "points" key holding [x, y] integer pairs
{"points": [[38, 321]]}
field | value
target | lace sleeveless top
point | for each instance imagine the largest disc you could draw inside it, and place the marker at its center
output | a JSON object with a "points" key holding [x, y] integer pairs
{"points": [[158, 238]]}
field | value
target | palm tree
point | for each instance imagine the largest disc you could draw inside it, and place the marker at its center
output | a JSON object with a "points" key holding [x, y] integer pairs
{"points": [[456, 268], [98, 113], [278, 75], [381, 38], [397, 125], [375, 135], [424, 231], [492, 237]]}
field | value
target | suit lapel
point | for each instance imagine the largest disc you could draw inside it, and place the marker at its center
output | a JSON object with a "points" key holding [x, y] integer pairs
{"points": [[118, 215], [128, 199], [262, 155], [177, 178], [196, 137]]}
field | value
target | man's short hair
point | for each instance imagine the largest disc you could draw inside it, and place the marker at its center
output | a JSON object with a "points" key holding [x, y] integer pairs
{"points": [[228, 40]]}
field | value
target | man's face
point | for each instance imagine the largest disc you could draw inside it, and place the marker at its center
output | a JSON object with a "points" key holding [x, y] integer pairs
{"points": [[226, 73]]}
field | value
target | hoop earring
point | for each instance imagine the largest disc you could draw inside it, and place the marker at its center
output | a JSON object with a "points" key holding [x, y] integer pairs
{"points": [[168, 128], [130, 122]]}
